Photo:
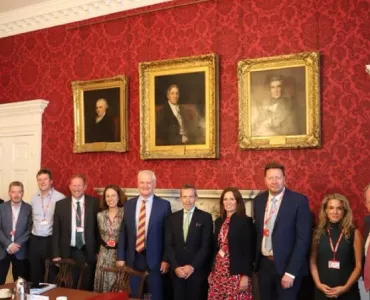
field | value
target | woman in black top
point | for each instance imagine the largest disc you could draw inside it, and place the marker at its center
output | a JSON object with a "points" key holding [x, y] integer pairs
{"points": [[336, 251], [234, 239]]}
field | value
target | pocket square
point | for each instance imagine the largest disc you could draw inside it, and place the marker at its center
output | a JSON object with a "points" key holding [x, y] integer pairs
{"points": [[198, 224]]}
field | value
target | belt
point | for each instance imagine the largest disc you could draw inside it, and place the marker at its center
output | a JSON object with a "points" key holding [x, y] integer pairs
{"points": [[269, 257], [40, 237]]}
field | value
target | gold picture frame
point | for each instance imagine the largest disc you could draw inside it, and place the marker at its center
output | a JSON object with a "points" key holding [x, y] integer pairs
{"points": [[187, 87], [267, 122], [100, 115]]}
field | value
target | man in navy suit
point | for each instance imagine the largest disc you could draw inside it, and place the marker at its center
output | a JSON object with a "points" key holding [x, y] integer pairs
{"points": [[283, 223], [142, 240], [15, 229], [189, 238]]}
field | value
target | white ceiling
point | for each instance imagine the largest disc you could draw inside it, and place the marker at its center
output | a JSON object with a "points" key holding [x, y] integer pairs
{"points": [[19, 16]]}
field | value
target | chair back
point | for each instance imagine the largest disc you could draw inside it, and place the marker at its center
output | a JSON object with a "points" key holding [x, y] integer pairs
{"points": [[68, 269], [122, 279]]}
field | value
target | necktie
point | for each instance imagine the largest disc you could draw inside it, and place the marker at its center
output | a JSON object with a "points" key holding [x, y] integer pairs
{"points": [[186, 224], [140, 237], [270, 224], [79, 241], [367, 270]]}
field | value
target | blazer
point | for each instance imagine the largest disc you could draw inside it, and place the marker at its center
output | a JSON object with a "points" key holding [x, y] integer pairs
{"points": [[196, 250], [62, 225], [240, 239], [23, 229], [291, 236], [1, 201], [155, 237]]}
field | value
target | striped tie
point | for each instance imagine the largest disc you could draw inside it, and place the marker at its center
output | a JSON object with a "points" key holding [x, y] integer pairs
{"points": [[140, 237]]}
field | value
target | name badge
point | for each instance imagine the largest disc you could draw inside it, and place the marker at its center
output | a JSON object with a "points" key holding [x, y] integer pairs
{"points": [[44, 222], [221, 253], [80, 229], [265, 232], [334, 264], [111, 243]]}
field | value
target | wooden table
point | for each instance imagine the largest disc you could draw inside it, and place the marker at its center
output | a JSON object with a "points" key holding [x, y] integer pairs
{"points": [[72, 294]]}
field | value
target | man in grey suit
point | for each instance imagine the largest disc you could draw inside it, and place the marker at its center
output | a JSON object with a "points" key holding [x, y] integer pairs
{"points": [[15, 228]]}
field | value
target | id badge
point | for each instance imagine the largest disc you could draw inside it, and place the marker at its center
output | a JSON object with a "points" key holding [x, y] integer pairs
{"points": [[265, 232], [44, 222], [80, 229], [111, 243], [221, 253], [334, 264]]}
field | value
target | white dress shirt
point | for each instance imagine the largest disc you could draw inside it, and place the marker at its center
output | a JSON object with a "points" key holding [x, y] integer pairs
{"points": [[73, 225], [148, 210]]}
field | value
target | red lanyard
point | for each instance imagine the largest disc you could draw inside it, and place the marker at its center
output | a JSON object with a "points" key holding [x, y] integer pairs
{"points": [[15, 220], [44, 210], [82, 213], [110, 226], [267, 218], [336, 245]]}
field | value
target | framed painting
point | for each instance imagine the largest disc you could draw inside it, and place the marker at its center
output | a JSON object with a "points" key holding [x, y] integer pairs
{"points": [[279, 102], [179, 108], [100, 115]]}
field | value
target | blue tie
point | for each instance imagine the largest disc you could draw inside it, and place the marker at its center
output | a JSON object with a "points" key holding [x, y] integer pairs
{"points": [[270, 224]]}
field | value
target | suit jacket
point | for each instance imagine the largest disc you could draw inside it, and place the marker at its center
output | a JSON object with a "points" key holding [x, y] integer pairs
{"points": [[63, 223], [291, 236], [241, 243], [196, 250], [103, 131], [23, 229], [155, 237]]}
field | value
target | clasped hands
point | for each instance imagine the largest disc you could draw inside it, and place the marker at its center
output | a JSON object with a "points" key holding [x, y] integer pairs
{"points": [[184, 271], [13, 248], [332, 292]]}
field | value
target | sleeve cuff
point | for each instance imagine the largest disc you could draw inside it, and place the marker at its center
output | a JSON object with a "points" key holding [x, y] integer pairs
{"points": [[290, 275]]}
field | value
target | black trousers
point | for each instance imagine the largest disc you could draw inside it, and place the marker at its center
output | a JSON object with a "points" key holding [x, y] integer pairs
{"points": [[269, 282], [19, 267], [39, 251], [193, 288], [80, 255]]}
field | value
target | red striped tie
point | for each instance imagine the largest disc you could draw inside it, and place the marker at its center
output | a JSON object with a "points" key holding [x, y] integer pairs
{"points": [[140, 237]]}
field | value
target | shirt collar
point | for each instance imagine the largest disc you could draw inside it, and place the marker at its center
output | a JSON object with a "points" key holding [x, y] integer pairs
{"points": [[148, 200], [82, 200], [191, 210], [278, 196], [49, 193]]}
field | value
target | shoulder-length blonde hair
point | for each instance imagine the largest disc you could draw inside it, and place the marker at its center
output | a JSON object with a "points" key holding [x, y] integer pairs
{"points": [[346, 223]]}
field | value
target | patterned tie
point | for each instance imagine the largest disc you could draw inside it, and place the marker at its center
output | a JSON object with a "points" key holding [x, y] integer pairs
{"points": [[79, 241], [367, 269], [186, 224], [140, 237], [270, 224]]}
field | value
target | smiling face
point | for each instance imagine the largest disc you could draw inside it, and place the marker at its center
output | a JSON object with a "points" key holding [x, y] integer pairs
{"points": [[111, 198], [229, 202], [188, 198], [275, 181], [77, 187], [146, 185], [44, 182], [334, 210], [15, 194]]}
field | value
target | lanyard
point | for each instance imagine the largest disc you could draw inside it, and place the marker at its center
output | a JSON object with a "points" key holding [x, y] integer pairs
{"points": [[268, 216], [336, 245], [15, 219], [82, 213], [110, 226], [44, 210]]}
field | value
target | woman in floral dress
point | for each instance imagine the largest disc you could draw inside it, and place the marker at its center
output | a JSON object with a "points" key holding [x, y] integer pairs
{"points": [[109, 223], [231, 274]]}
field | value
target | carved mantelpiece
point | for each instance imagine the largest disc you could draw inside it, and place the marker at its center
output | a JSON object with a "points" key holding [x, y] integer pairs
{"points": [[208, 200]]}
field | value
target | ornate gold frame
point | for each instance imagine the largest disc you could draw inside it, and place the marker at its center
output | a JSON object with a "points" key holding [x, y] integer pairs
{"points": [[309, 61], [79, 88], [186, 65]]}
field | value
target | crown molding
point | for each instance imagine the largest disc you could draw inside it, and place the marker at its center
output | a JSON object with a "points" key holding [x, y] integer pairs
{"points": [[58, 12]]}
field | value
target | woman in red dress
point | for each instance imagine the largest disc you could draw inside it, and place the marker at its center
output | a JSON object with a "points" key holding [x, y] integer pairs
{"points": [[231, 274]]}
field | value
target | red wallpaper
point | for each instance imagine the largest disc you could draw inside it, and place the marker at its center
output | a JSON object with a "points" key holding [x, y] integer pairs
{"points": [[42, 64]]}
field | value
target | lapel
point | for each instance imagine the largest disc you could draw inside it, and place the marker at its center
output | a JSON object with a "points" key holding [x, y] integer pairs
{"points": [[87, 211], [153, 213], [262, 210], [68, 214], [282, 208], [179, 221], [9, 216], [133, 215]]}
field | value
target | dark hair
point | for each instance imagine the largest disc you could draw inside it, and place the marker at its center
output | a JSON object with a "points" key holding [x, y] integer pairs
{"points": [[16, 183], [189, 187], [240, 208], [121, 195], [274, 165], [44, 171], [81, 176]]}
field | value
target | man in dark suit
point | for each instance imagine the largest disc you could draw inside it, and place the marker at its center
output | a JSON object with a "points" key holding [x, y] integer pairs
{"points": [[15, 229], [178, 124], [189, 238], [283, 222], [142, 239], [75, 230]]}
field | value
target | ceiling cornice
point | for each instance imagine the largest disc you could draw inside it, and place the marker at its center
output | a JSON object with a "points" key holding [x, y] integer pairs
{"points": [[57, 12]]}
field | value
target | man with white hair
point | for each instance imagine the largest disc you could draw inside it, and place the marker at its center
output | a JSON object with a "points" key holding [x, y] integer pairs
{"points": [[142, 238]]}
